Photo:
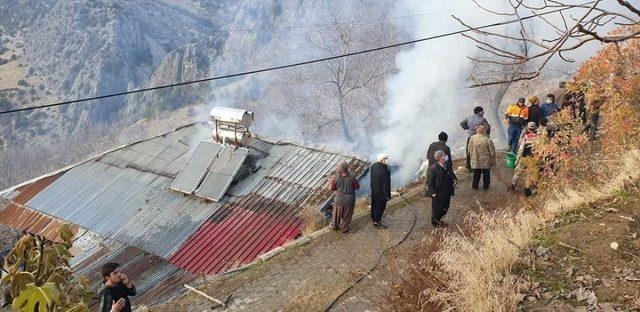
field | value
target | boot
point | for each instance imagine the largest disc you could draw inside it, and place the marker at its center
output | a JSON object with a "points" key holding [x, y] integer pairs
{"points": [[527, 192]]}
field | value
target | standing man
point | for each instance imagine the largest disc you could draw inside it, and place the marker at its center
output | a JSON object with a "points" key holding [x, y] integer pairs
{"points": [[380, 189], [117, 289], [470, 125], [483, 157], [550, 107], [560, 93], [440, 187], [517, 115], [441, 144]]}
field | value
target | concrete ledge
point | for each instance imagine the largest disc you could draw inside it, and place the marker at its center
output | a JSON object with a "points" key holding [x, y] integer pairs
{"points": [[317, 233], [297, 242], [270, 254]]}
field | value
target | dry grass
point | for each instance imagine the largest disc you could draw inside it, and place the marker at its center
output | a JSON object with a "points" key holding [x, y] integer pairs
{"points": [[363, 204], [468, 270], [312, 220]]}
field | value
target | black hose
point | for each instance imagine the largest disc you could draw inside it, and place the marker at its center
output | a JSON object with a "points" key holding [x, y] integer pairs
{"points": [[356, 282]]}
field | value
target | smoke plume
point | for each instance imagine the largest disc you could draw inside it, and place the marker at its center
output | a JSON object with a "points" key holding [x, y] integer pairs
{"points": [[428, 93]]}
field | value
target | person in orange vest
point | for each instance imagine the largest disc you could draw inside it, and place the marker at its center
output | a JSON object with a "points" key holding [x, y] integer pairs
{"points": [[517, 116]]}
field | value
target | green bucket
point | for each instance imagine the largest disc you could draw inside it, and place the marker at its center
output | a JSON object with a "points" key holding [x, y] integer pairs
{"points": [[511, 160]]}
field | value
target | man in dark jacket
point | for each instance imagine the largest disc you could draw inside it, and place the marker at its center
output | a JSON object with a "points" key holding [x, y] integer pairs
{"points": [[535, 112], [117, 289], [440, 187], [380, 189], [441, 144]]}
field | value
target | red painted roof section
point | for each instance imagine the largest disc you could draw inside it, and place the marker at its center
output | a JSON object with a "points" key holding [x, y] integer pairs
{"points": [[238, 239]]}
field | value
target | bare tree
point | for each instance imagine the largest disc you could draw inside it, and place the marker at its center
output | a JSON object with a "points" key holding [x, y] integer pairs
{"points": [[344, 93], [572, 26], [483, 72]]}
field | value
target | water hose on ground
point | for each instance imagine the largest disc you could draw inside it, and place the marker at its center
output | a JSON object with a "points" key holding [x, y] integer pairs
{"points": [[357, 281]]}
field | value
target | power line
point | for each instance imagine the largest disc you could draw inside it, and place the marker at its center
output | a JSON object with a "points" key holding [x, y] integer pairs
{"points": [[257, 71], [364, 21]]}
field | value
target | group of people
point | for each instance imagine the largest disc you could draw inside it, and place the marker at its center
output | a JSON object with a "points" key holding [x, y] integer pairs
{"points": [[526, 120]]}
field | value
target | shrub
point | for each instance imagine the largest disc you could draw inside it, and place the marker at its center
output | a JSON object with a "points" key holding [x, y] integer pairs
{"points": [[39, 275]]}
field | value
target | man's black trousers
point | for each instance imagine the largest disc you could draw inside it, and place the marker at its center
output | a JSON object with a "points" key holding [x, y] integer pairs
{"points": [[486, 178], [378, 205], [439, 207]]}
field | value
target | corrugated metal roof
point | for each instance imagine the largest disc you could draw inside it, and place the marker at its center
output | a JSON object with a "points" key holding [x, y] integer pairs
{"points": [[155, 278], [124, 195], [268, 217], [34, 222]]}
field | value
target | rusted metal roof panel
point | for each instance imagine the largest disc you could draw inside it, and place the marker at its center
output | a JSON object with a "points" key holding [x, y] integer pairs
{"points": [[269, 215], [34, 222], [156, 279], [24, 193]]}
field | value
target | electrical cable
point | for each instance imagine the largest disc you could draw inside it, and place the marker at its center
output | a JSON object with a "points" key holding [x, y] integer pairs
{"points": [[357, 281], [364, 21], [308, 62]]}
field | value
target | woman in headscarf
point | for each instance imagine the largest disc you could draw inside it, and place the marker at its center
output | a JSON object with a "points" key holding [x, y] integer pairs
{"points": [[344, 184]]}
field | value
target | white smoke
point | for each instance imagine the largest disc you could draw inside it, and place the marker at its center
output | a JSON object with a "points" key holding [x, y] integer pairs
{"points": [[428, 93]]}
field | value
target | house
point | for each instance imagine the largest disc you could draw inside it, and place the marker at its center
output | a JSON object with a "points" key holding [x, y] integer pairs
{"points": [[179, 205]]}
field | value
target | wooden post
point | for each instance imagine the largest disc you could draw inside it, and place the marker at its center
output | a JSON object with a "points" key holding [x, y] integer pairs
{"points": [[205, 295]]}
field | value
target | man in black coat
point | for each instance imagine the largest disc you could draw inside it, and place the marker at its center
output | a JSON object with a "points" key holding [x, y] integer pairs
{"points": [[440, 187], [117, 289], [380, 189], [441, 144]]}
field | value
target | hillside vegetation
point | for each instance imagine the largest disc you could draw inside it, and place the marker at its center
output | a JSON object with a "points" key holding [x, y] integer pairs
{"points": [[581, 170]]}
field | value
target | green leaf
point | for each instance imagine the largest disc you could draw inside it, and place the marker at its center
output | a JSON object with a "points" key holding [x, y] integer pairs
{"points": [[20, 280], [45, 297], [66, 233], [63, 251]]}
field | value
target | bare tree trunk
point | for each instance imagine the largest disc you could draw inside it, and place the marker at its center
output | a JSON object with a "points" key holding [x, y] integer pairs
{"points": [[496, 116], [343, 122]]}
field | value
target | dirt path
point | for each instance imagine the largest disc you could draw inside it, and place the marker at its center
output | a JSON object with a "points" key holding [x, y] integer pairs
{"points": [[310, 277]]}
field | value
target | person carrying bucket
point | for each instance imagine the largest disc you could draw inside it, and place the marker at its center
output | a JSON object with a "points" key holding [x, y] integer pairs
{"points": [[517, 116], [526, 164]]}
